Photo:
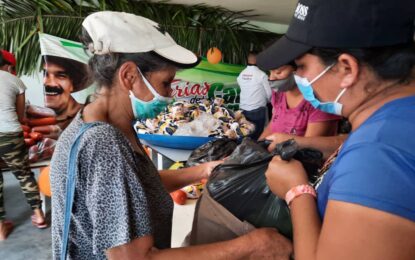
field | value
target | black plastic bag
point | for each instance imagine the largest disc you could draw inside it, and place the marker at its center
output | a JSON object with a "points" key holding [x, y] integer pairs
{"points": [[310, 158], [211, 151], [240, 186]]}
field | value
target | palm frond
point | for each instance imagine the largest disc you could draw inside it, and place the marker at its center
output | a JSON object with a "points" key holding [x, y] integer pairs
{"points": [[198, 27]]}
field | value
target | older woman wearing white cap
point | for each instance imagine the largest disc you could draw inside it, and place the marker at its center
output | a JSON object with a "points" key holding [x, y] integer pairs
{"points": [[355, 59], [109, 201]]}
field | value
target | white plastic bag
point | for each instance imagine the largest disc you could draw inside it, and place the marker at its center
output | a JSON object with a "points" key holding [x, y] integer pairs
{"points": [[202, 126]]}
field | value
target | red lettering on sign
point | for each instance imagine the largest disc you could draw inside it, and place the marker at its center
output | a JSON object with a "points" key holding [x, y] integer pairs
{"points": [[205, 89], [195, 89], [184, 89]]}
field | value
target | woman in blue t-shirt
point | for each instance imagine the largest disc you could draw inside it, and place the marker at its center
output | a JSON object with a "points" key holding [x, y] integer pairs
{"points": [[357, 61]]}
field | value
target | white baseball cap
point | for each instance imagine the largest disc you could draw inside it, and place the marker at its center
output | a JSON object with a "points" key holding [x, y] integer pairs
{"points": [[128, 33]]}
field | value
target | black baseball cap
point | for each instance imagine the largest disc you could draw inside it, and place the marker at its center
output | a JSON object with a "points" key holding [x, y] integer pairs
{"points": [[341, 24]]}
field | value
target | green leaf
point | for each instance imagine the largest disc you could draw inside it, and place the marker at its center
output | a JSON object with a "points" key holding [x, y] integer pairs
{"points": [[198, 27]]}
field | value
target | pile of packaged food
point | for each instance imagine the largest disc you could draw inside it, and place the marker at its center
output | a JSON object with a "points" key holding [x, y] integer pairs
{"points": [[37, 132], [205, 119]]}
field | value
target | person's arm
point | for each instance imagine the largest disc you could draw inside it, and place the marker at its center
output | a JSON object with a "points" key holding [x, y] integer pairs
{"points": [[319, 136], [281, 177], [324, 128], [314, 138], [20, 107], [267, 132], [350, 229], [259, 244], [267, 87], [176, 179], [325, 144]]}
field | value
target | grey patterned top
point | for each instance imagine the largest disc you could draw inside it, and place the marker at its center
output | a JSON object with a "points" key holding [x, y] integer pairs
{"points": [[118, 197]]}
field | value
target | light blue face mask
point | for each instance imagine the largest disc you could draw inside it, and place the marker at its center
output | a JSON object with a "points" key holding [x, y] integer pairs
{"points": [[307, 90], [148, 109]]}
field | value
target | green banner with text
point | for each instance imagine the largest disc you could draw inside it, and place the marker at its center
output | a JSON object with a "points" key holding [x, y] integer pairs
{"points": [[208, 81]]}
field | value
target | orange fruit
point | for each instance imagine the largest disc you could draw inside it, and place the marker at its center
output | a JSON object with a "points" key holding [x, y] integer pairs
{"points": [[214, 55], [44, 181], [179, 197]]}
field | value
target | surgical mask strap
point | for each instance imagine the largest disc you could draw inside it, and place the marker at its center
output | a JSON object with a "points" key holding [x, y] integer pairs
{"points": [[322, 73], [149, 86], [340, 95]]}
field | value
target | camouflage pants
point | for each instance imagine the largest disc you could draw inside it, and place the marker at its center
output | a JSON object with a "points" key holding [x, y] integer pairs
{"points": [[14, 153]]}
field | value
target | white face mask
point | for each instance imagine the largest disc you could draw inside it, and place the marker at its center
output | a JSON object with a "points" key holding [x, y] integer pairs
{"points": [[148, 109], [306, 89], [153, 91]]}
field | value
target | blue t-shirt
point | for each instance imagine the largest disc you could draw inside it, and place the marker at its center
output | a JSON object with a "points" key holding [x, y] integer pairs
{"points": [[376, 165]]}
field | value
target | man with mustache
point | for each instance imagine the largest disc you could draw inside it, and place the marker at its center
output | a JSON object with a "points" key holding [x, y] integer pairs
{"points": [[61, 78]]}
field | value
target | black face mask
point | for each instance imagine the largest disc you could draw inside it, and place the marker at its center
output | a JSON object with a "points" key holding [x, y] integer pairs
{"points": [[283, 85]]}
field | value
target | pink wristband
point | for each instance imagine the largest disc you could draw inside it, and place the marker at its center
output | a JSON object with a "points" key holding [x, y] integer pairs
{"points": [[299, 190]]}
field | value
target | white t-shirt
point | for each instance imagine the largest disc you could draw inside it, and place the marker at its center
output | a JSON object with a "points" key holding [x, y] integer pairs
{"points": [[10, 87], [255, 89]]}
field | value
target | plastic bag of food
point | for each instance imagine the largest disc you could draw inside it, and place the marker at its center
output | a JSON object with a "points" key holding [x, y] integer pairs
{"points": [[39, 112], [310, 158], [204, 119], [204, 125], [240, 186], [211, 151], [43, 150], [49, 131], [238, 198]]}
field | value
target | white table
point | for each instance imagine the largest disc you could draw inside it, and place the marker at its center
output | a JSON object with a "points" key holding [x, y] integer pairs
{"points": [[40, 164]]}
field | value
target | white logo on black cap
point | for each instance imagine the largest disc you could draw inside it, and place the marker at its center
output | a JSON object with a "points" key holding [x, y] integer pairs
{"points": [[301, 12]]}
